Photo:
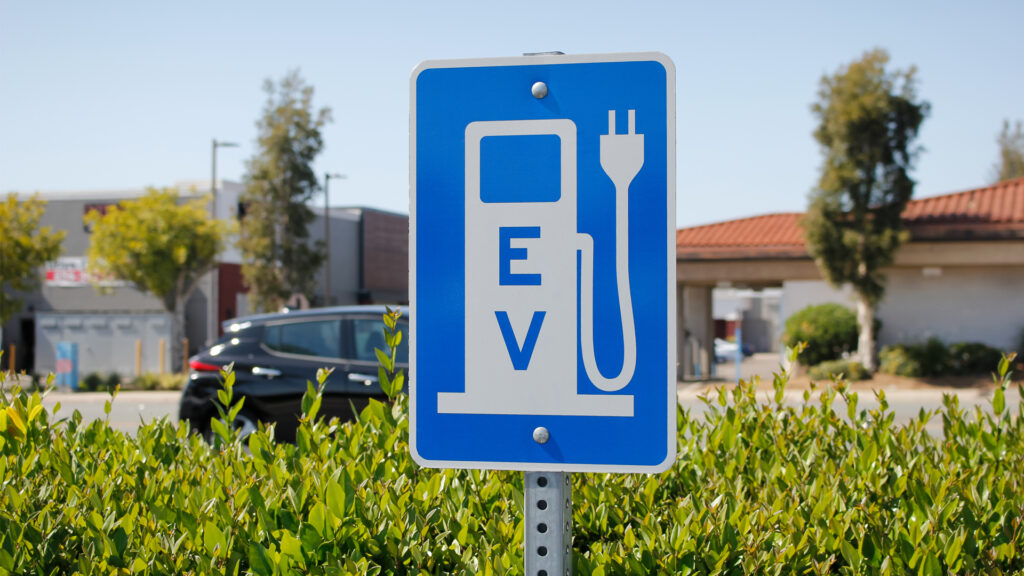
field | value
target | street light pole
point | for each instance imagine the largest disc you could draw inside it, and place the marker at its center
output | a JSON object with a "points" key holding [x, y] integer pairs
{"points": [[327, 235], [213, 308]]}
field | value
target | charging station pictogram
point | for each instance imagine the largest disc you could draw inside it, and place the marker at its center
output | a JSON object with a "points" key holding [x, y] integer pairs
{"points": [[542, 263]]}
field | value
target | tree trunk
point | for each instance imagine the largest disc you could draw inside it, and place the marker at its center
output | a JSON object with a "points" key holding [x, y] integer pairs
{"points": [[866, 339], [177, 333]]}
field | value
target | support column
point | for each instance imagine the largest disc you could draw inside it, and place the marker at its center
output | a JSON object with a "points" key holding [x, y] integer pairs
{"points": [[684, 364], [698, 350]]}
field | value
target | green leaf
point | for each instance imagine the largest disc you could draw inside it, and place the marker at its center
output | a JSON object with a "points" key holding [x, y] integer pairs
{"points": [[307, 398], [291, 546], [14, 418], [314, 408], [214, 540], [318, 519], [259, 562], [953, 550], [336, 500], [930, 566], [852, 556], [233, 413], [220, 429], [998, 401], [397, 383], [1004, 366], [384, 360]]}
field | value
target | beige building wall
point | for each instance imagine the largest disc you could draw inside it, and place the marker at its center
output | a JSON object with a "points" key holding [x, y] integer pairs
{"points": [[977, 304], [955, 304]]}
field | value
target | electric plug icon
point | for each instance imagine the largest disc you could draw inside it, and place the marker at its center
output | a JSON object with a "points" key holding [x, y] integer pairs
{"points": [[622, 155]]}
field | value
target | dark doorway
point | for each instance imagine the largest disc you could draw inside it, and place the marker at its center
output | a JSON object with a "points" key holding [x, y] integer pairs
{"points": [[27, 355]]}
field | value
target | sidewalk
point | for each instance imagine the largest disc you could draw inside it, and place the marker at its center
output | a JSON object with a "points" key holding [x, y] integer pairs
{"points": [[761, 368]]}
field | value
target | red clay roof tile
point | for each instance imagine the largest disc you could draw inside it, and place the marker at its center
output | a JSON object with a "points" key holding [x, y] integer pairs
{"points": [[993, 211]]}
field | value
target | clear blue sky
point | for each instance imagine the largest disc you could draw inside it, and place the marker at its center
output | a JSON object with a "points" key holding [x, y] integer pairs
{"points": [[101, 95]]}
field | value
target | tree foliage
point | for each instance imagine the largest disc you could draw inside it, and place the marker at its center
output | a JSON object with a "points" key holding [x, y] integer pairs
{"points": [[868, 121], [278, 259], [24, 247], [161, 245], [1011, 153], [828, 330]]}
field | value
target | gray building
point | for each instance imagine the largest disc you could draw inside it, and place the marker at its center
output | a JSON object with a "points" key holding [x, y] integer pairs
{"points": [[369, 256], [119, 328]]}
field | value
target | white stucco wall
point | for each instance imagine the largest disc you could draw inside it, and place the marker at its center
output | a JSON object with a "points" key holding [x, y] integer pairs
{"points": [[954, 304], [799, 294], [977, 304]]}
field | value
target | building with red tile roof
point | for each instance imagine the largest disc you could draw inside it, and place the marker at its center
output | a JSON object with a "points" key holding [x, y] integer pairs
{"points": [[993, 212], [960, 277]]}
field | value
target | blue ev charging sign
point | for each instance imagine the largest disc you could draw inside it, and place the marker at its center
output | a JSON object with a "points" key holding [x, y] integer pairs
{"points": [[542, 263]]}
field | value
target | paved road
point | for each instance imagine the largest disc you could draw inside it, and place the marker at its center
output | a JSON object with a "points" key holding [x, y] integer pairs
{"points": [[132, 407], [126, 411], [906, 404]]}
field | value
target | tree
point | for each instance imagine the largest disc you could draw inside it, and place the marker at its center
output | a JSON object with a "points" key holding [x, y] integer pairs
{"points": [[24, 247], [869, 119], [164, 247], [1011, 153], [278, 260]]}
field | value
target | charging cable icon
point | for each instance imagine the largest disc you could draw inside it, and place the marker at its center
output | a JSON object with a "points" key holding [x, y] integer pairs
{"points": [[521, 273], [622, 156]]}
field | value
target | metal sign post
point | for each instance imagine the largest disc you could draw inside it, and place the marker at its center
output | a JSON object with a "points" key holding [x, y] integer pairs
{"points": [[548, 523]]}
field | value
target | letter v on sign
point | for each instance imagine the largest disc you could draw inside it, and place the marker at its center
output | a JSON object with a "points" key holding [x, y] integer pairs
{"points": [[520, 355]]}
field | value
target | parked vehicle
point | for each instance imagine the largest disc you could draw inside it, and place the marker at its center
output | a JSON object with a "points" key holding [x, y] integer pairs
{"points": [[725, 351], [274, 355]]}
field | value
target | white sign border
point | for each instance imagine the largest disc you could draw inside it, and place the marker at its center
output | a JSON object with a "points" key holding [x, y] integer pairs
{"points": [[670, 115]]}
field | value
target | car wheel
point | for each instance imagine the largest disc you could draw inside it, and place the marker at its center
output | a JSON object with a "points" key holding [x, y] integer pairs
{"points": [[244, 424]]}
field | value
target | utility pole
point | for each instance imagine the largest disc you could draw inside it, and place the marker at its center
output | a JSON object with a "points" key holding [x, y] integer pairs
{"points": [[327, 234], [213, 309]]}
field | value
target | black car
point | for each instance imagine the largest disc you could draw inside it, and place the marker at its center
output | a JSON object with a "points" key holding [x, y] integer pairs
{"points": [[274, 355]]}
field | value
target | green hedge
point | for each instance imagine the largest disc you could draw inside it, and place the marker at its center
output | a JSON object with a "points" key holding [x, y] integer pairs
{"points": [[151, 381], [934, 358], [99, 382], [850, 370], [828, 330], [757, 488]]}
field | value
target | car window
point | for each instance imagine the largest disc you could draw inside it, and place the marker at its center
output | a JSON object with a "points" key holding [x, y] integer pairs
{"points": [[319, 338], [368, 333]]}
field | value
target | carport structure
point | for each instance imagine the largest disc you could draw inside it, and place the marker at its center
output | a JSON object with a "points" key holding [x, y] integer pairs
{"points": [[961, 276]]}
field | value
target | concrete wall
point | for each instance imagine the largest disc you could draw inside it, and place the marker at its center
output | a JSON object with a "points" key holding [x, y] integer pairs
{"points": [[978, 304], [955, 304], [106, 342], [344, 257], [695, 340]]}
